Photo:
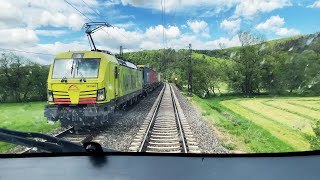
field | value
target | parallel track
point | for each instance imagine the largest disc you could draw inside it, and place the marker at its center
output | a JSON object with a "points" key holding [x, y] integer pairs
{"points": [[165, 129], [67, 134]]}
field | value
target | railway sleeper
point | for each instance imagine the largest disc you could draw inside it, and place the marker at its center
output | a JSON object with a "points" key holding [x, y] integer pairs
{"points": [[164, 143], [164, 147], [165, 133], [167, 140], [165, 136]]}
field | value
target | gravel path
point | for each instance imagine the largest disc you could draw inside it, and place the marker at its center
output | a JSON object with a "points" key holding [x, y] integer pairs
{"points": [[207, 141], [123, 125]]}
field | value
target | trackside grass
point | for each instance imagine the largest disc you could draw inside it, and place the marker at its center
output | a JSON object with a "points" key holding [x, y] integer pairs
{"points": [[263, 124], [23, 117]]}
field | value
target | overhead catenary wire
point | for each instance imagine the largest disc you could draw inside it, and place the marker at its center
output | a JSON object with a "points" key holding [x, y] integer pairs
{"points": [[163, 23], [84, 16], [14, 50], [94, 11], [77, 10]]}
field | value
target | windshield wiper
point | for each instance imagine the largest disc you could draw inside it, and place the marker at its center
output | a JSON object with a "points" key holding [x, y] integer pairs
{"points": [[51, 144], [64, 78], [82, 77]]}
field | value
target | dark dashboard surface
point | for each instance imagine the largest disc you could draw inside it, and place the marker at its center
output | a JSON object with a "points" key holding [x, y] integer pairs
{"points": [[160, 167]]}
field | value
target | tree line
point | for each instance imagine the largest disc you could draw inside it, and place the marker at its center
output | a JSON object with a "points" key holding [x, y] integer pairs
{"points": [[22, 80]]}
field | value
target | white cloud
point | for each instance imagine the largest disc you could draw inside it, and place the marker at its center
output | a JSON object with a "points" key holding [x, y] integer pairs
{"points": [[125, 25], [54, 33], [48, 49], [243, 8], [151, 38], [73, 20], [248, 8], [18, 37], [183, 26], [224, 42], [199, 27], [43, 13], [9, 14], [184, 40], [170, 32], [232, 25], [316, 4], [59, 47], [274, 24], [287, 32], [179, 5]]}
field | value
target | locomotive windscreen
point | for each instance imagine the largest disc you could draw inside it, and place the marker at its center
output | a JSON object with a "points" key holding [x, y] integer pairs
{"points": [[76, 68]]}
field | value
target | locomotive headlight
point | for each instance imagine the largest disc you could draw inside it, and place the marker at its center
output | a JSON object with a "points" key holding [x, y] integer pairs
{"points": [[50, 96], [101, 95]]}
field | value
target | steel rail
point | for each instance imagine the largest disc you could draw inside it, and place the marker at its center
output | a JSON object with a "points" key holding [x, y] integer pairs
{"points": [[183, 142], [144, 141]]}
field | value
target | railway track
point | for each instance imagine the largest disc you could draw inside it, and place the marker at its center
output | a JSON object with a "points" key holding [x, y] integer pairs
{"points": [[165, 129]]}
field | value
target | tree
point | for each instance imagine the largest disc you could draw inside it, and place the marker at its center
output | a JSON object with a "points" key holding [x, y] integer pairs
{"points": [[22, 80], [247, 67]]}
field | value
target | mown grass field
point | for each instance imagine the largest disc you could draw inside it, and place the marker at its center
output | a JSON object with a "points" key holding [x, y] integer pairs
{"points": [[262, 124], [23, 117]]}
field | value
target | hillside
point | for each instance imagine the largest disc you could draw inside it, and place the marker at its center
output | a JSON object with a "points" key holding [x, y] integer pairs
{"points": [[294, 44], [279, 67]]}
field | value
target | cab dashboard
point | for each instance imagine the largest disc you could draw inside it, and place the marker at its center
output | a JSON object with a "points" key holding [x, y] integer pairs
{"points": [[143, 166]]}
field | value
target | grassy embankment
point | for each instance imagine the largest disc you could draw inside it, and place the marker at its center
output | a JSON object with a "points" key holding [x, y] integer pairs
{"points": [[261, 124], [23, 117]]}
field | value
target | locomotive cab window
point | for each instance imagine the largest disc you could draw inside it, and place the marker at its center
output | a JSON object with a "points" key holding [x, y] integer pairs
{"points": [[76, 68]]}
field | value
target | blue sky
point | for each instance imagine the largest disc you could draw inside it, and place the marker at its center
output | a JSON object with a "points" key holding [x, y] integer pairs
{"points": [[52, 27]]}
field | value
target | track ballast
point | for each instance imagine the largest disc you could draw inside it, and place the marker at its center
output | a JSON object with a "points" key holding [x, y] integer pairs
{"points": [[165, 129]]}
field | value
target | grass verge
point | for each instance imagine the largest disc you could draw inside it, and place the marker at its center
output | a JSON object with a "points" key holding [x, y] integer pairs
{"points": [[23, 117]]}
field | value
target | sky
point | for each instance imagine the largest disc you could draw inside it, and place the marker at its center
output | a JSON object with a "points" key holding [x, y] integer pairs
{"points": [[39, 29]]}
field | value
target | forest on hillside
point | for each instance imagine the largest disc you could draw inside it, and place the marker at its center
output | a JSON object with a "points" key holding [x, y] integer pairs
{"points": [[288, 66]]}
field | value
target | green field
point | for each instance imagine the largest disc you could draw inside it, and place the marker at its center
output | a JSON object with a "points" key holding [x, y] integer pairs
{"points": [[23, 117], [262, 124]]}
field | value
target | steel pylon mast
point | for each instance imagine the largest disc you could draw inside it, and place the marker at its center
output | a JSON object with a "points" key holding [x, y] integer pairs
{"points": [[190, 71]]}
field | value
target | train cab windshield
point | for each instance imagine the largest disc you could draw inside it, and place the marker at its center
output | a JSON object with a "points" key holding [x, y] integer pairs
{"points": [[76, 68], [160, 76]]}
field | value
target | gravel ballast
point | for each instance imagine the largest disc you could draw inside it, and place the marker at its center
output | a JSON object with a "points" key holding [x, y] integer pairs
{"points": [[123, 125], [207, 141]]}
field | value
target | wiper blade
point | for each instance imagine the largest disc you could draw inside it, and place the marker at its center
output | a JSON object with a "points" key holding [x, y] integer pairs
{"points": [[82, 77], [51, 143], [64, 79]]}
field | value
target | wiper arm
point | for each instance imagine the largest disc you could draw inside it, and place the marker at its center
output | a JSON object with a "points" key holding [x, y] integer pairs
{"points": [[82, 77], [51, 143], [64, 79]]}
